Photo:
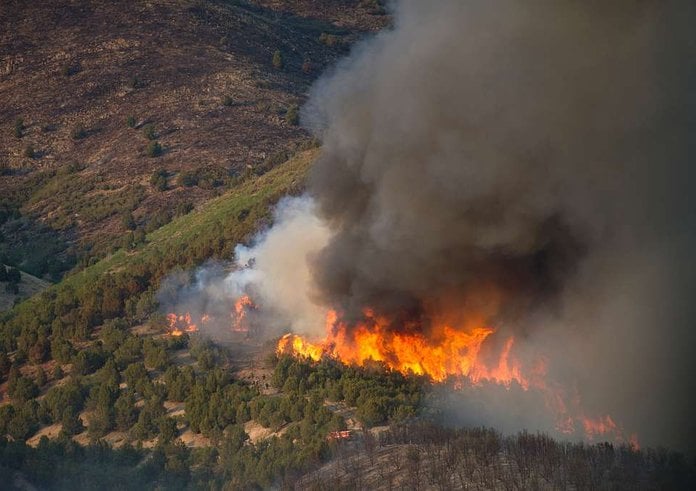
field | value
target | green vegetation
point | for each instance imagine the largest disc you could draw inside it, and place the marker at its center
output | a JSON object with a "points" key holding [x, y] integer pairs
{"points": [[118, 381], [130, 121], [277, 60], [149, 131], [292, 115], [78, 132], [158, 180], [330, 40], [29, 152], [153, 149], [228, 101]]}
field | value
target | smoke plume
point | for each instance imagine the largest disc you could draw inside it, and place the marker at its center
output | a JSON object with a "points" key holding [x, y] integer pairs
{"points": [[527, 161], [540, 150]]}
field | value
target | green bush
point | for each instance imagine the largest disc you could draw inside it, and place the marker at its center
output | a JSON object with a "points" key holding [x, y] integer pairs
{"points": [[292, 115], [149, 131], [78, 132], [228, 101], [188, 179], [29, 152], [277, 60], [154, 149], [158, 180], [130, 121]]}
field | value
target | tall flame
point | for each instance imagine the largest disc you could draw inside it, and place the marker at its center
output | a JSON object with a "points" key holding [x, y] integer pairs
{"points": [[447, 352]]}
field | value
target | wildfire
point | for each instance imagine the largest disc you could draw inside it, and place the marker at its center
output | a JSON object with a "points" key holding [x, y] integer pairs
{"points": [[239, 314], [446, 353], [179, 324]]}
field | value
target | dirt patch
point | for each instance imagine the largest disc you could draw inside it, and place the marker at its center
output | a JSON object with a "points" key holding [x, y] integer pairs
{"points": [[28, 286]]}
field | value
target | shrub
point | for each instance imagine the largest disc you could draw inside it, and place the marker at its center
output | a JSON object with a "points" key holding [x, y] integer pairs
{"points": [[292, 115], [188, 179], [130, 121], [154, 149], [158, 179], [183, 209], [71, 69], [128, 221], [29, 152], [149, 131], [277, 60], [330, 40], [228, 101], [78, 132]]}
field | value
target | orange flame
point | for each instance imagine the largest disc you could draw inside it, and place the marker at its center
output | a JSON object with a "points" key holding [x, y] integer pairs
{"points": [[239, 315], [179, 324], [446, 352]]}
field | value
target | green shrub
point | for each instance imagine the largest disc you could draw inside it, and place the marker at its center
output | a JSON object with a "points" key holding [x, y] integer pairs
{"points": [[292, 115], [29, 152], [130, 121], [78, 132], [128, 221], [183, 209], [330, 40], [158, 179], [154, 149], [277, 60], [188, 179], [228, 101], [149, 131]]}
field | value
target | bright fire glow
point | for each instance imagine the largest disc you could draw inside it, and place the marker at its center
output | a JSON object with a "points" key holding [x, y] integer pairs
{"points": [[449, 353]]}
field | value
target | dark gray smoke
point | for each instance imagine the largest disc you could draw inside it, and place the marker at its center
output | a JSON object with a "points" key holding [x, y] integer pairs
{"points": [[542, 151]]}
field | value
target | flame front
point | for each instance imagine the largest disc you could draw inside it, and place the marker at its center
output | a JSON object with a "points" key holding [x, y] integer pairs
{"points": [[447, 353]]}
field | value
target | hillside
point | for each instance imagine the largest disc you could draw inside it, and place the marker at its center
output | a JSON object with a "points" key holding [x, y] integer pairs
{"points": [[87, 86]]}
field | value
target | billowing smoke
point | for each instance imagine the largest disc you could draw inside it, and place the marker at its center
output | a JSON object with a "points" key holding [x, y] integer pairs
{"points": [[273, 271], [543, 149], [528, 160]]}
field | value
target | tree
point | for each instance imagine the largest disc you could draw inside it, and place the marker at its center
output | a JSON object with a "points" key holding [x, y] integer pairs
{"points": [[149, 131], [40, 377], [29, 152], [277, 60], [128, 221], [154, 149], [78, 132], [23, 389], [71, 423], [158, 180], [125, 413], [292, 115]]}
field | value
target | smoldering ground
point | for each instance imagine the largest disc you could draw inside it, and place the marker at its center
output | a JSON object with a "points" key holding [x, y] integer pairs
{"points": [[541, 150]]}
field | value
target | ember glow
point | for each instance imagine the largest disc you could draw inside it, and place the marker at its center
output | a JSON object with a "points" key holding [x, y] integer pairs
{"points": [[450, 354]]}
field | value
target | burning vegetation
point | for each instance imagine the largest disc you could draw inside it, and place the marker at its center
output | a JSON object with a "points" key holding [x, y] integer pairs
{"points": [[450, 354], [178, 324]]}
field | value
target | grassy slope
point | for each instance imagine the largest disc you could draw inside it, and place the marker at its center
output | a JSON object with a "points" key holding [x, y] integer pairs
{"points": [[253, 198]]}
